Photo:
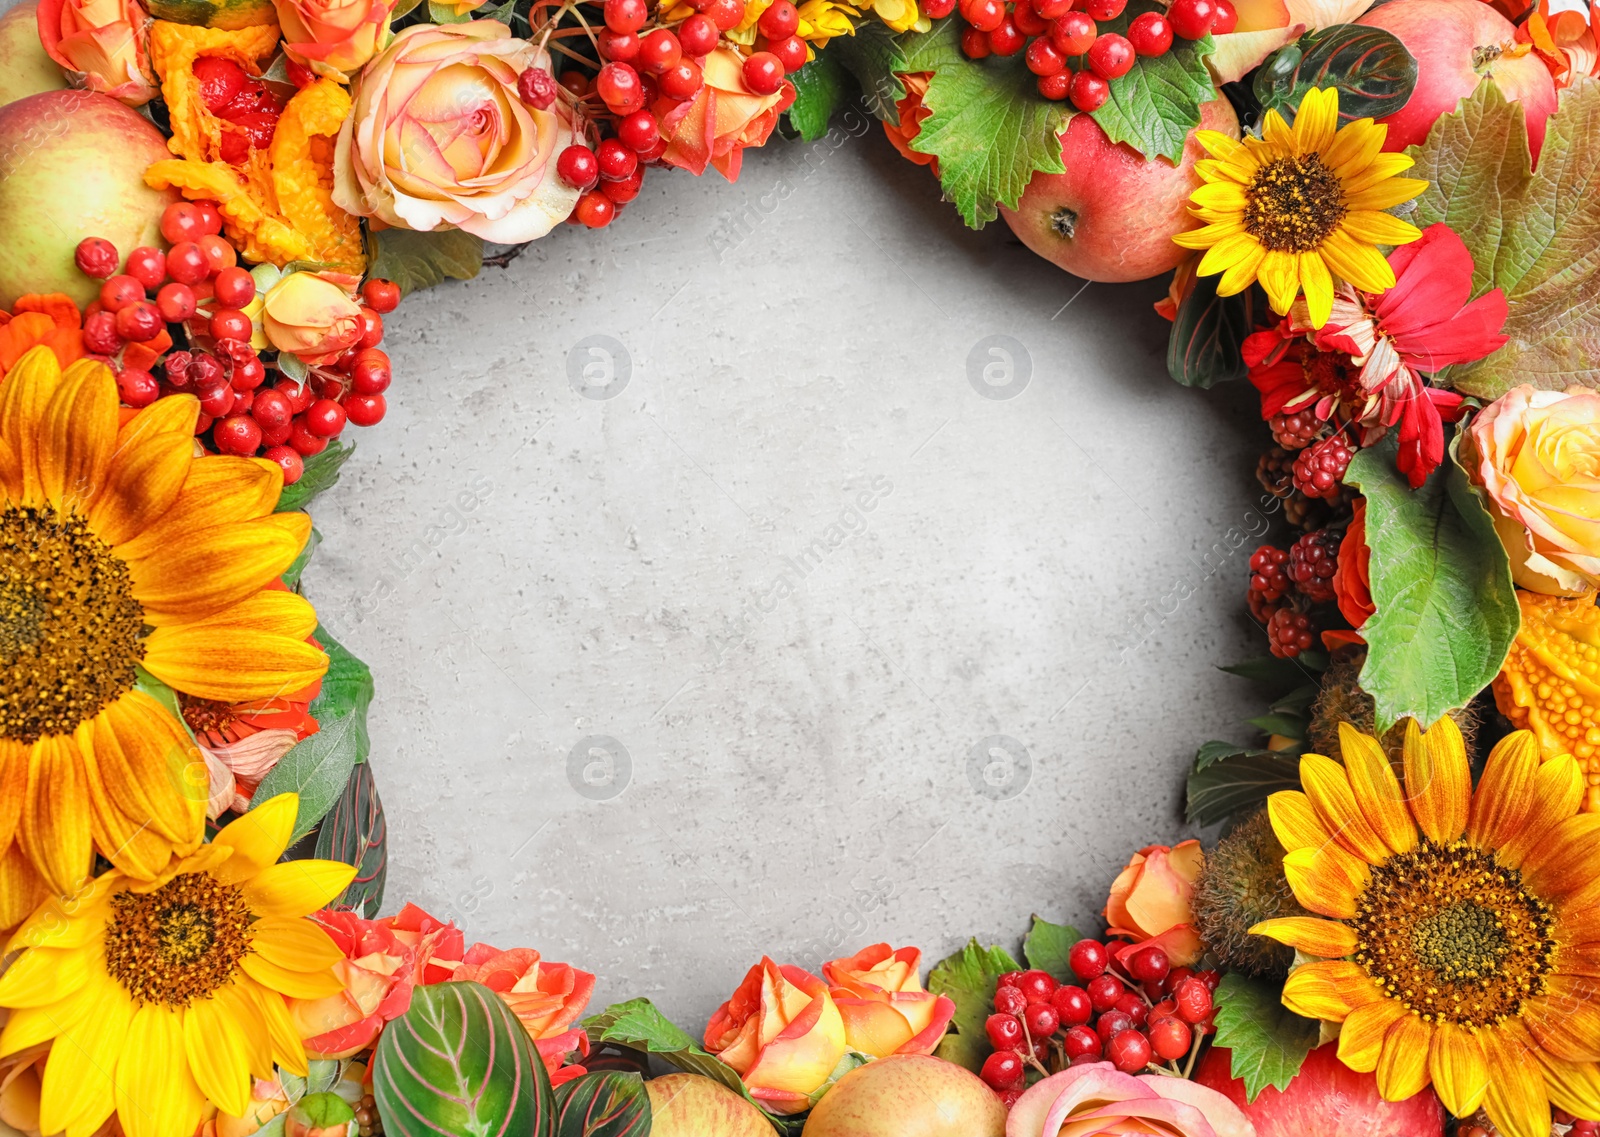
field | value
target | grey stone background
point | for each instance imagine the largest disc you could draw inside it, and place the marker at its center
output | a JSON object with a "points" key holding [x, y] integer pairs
{"points": [[625, 717]]}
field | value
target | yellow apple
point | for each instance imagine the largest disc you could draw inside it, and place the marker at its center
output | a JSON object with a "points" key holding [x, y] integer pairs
{"points": [[688, 1105], [910, 1095], [28, 70]]}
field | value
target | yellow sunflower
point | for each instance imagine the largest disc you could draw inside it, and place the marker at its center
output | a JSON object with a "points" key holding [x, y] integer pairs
{"points": [[1301, 205], [1462, 944], [118, 549], [162, 995]]}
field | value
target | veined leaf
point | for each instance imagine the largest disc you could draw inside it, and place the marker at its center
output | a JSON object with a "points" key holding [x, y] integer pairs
{"points": [[320, 473], [459, 1062], [639, 1025], [1268, 1042], [1154, 106], [1447, 609], [1047, 947], [318, 767], [874, 56], [1531, 234], [1226, 786], [605, 1103], [355, 832], [969, 978], [1206, 345], [422, 260], [820, 87], [1373, 71]]}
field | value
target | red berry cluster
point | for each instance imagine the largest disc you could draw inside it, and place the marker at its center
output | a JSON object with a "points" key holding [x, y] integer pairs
{"points": [[1269, 581], [1320, 467], [245, 104], [200, 292], [1051, 32], [1296, 431], [1579, 1127], [647, 72], [1285, 583], [1133, 1017], [1313, 560]]}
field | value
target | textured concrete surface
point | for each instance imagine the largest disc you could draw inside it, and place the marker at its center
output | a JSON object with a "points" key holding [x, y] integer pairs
{"points": [[722, 603]]}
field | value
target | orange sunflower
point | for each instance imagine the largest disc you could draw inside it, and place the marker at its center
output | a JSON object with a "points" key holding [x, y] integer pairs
{"points": [[1462, 939], [121, 550]]}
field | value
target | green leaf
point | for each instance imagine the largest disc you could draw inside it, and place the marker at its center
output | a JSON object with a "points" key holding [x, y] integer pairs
{"points": [[1268, 1042], [321, 472], [459, 1062], [1206, 344], [988, 126], [1373, 71], [821, 87], [292, 574], [318, 767], [1157, 103], [355, 832], [1226, 786], [969, 978], [1281, 674], [1046, 946], [292, 366], [1447, 610], [422, 260], [322, 1111], [605, 1103], [1215, 751], [1290, 726], [875, 57], [1532, 235], [639, 1025]]}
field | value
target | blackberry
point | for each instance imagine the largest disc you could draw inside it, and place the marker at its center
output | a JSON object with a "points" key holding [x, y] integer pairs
{"points": [[1312, 562], [1289, 633], [1275, 472], [1269, 581], [1295, 431], [1321, 466]]}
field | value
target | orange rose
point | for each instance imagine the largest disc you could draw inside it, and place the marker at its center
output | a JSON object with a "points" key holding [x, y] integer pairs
{"points": [[722, 119], [439, 138], [783, 1034], [912, 111], [1149, 902], [1352, 579], [333, 37], [312, 314], [546, 998], [107, 42], [879, 994]]}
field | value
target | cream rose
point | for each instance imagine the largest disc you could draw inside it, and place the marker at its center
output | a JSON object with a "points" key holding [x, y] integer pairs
{"points": [[1537, 456], [438, 138]]}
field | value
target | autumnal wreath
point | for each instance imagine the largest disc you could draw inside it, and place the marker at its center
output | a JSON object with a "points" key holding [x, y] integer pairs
{"points": [[1382, 216]]}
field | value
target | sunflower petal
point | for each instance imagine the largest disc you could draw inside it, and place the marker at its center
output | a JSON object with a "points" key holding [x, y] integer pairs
{"points": [[42, 976], [211, 569], [1328, 989], [77, 435], [1566, 1019], [1381, 193], [257, 838], [141, 486], [1226, 253], [150, 771], [1242, 274], [1505, 791], [295, 943], [1317, 120], [1328, 787], [29, 1026], [287, 1049], [1403, 1066], [219, 1055], [1379, 228], [241, 1006], [1557, 792], [1360, 264], [294, 984], [218, 491], [1458, 1068], [1361, 1037], [1326, 880], [1353, 149], [1295, 822], [1280, 276], [79, 1088], [248, 660], [56, 830], [1572, 1086], [1325, 939], [1515, 1100], [1318, 285], [68, 921], [26, 392], [1438, 779], [156, 1094], [296, 888], [1376, 789], [13, 786], [22, 889], [1561, 866]]}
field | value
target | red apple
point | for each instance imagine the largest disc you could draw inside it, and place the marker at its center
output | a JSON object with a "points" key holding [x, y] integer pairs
{"points": [[72, 166], [1112, 215], [28, 70], [1457, 44], [689, 1105], [908, 1095], [1325, 1099]]}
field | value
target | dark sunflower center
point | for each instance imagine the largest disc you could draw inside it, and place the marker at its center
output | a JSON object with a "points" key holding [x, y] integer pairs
{"points": [[178, 943], [1294, 204], [69, 625], [1452, 934]]}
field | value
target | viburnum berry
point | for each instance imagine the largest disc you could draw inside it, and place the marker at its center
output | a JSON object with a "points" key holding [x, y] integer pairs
{"points": [[618, 47], [684, 81], [698, 35], [1112, 1022], [1150, 34], [616, 160], [96, 257], [237, 434], [324, 418], [1073, 33], [1100, 11], [288, 460], [119, 292], [1104, 991], [216, 401], [1192, 19], [1132, 1004], [370, 372], [1089, 92], [187, 264], [1003, 1070], [790, 50], [1007, 39], [1149, 965], [763, 73], [1028, 22], [1313, 559], [619, 88], [1129, 1051], [575, 81], [271, 408], [1227, 18], [382, 296], [985, 15], [1043, 58], [1056, 87], [219, 254], [365, 410], [938, 9], [177, 302], [537, 87], [1295, 431], [1036, 985], [1080, 1041], [1004, 1031], [726, 14], [1088, 959], [1010, 1001], [1320, 467], [148, 266], [779, 20], [210, 216], [1041, 1021], [205, 373], [1288, 633], [1111, 56], [1170, 1038], [577, 166], [137, 388], [230, 324], [139, 322], [659, 50], [975, 43], [626, 15], [182, 220], [639, 131], [1194, 1001], [595, 210], [626, 190], [1052, 9]]}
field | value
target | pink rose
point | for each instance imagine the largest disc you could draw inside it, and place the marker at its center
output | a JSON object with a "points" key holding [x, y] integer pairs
{"points": [[722, 119], [107, 42], [439, 139], [783, 1034], [1149, 902], [546, 998], [879, 995], [1096, 1098], [333, 37]]}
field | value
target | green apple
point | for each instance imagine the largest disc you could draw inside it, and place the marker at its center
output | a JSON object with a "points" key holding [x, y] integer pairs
{"points": [[909, 1095], [689, 1105], [28, 70], [72, 166]]}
